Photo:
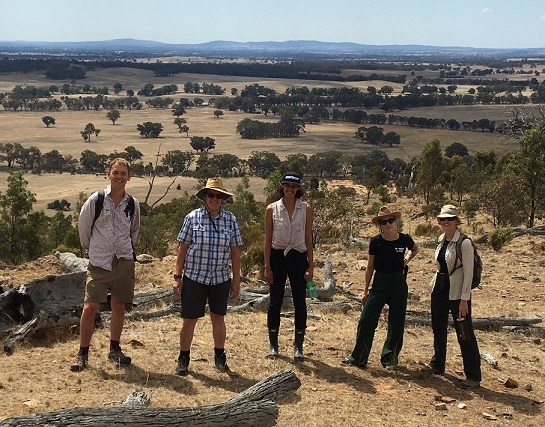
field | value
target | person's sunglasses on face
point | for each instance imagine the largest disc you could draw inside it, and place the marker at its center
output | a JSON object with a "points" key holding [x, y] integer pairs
{"points": [[450, 218], [211, 195], [390, 220]]}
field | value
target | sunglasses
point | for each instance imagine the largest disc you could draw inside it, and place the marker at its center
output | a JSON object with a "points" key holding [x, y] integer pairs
{"points": [[214, 195], [450, 218], [390, 220]]}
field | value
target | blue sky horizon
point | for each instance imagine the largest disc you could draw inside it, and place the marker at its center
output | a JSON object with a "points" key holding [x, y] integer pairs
{"points": [[466, 23]]}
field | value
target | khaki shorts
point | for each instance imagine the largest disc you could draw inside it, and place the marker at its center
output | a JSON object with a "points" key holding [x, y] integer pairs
{"points": [[120, 281]]}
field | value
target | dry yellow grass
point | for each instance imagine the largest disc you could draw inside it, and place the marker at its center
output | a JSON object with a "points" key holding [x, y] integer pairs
{"points": [[36, 377]]}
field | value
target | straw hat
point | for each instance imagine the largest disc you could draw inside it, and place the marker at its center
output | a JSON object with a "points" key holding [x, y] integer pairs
{"points": [[385, 212], [216, 185], [448, 211]]}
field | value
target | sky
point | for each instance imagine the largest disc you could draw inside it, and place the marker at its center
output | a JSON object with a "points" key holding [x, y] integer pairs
{"points": [[465, 23]]}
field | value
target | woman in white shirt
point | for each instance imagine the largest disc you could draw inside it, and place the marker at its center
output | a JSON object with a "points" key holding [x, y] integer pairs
{"points": [[288, 254]]}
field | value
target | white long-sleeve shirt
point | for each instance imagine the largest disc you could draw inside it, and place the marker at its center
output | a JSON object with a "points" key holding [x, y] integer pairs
{"points": [[113, 233]]}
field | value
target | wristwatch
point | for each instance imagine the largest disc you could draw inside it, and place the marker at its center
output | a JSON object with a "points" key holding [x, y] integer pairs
{"points": [[177, 276]]}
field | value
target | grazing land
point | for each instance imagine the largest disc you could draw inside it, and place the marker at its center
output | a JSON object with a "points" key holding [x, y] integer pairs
{"points": [[27, 129], [36, 377]]}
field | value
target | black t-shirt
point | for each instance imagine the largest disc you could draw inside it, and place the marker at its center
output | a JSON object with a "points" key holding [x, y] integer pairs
{"points": [[390, 255]]}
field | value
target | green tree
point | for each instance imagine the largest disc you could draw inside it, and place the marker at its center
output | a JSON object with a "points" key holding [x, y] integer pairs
{"points": [[185, 129], [263, 163], [218, 113], [178, 110], [113, 115], [93, 162], [48, 120], [150, 129], [456, 149], [177, 161], [15, 206], [178, 121], [88, 131], [201, 144], [332, 213], [429, 169], [529, 164], [501, 198], [118, 87]]}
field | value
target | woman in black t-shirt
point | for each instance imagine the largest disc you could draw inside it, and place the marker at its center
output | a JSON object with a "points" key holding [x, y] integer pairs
{"points": [[385, 267]]}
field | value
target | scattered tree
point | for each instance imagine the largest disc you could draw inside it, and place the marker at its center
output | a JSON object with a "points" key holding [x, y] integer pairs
{"points": [[48, 120], [149, 129], [113, 115]]}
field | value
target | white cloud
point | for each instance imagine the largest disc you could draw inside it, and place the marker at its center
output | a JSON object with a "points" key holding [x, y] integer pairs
{"points": [[542, 18], [487, 10]]}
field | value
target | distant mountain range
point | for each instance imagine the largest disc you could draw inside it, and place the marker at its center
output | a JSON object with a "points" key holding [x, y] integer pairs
{"points": [[222, 48]]}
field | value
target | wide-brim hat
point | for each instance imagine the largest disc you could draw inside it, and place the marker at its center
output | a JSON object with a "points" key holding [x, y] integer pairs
{"points": [[448, 211], [385, 212], [213, 184]]}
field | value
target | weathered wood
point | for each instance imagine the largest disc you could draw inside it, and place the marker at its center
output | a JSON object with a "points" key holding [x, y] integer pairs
{"points": [[255, 406], [483, 322]]}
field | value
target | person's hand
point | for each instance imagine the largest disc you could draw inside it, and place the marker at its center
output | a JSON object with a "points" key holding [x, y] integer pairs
{"points": [[177, 286], [364, 297], [235, 289], [463, 309], [268, 276], [309, 275]]}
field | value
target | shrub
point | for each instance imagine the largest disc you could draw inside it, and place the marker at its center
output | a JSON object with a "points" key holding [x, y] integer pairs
{"points": [[427, 229], [500, 236]]}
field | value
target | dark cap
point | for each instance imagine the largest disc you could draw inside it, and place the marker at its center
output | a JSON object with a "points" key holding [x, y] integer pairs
{"points": [[291, 178]]}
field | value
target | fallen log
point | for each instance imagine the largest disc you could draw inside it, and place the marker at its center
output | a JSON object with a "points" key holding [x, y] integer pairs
{"points": [[483, 322], [42, 320], [256, 405]]}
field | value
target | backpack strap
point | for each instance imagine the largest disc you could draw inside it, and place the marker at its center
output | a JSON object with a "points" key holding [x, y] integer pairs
{"points": [[98, 207], [129, 209], [459, 253]]}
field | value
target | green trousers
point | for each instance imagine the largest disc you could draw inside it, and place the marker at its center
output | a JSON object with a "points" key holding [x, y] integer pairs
{"points": [[391, 289]]}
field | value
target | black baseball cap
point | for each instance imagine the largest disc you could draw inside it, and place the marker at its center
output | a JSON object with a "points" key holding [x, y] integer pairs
{"points": [[291, 178]]}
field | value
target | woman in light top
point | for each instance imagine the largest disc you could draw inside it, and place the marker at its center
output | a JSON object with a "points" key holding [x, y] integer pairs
{"points": [[451, 293], [288, 254]]}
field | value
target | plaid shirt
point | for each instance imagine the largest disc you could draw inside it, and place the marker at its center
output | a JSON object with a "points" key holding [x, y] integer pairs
{"points": [[208, 258]]}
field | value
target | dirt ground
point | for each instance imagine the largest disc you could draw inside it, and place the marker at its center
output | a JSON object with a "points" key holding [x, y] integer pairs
{"points": [[36, 377]]}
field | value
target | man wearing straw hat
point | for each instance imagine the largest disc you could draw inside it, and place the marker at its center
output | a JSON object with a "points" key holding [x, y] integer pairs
{"points": [[208, 254]]}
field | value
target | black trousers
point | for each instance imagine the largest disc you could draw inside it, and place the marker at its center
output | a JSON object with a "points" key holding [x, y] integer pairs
{"points": [[292, 266], [441, 306]]}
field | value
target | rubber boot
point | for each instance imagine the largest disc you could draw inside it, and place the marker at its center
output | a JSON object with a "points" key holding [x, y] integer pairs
{"points": [[298, 345], [273, 341]]}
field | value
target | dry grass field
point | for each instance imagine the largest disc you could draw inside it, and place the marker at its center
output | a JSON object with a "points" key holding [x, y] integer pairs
{"points": [[36, 377], [27, 129]]}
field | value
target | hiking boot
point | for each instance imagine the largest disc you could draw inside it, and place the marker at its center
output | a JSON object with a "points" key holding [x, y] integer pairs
{"points": [[434, 368], [298, 345], [273, 341], [183, 366], [350, 361], [221, 362], [80, 363], [119, 357], [469, 384]]}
